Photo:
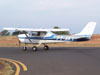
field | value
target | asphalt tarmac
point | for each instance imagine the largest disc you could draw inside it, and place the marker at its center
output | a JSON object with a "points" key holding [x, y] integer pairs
{"points": [[57, 61]]}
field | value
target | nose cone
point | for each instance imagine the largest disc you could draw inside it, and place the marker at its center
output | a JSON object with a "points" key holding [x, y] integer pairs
{"points": [[21, 37]]}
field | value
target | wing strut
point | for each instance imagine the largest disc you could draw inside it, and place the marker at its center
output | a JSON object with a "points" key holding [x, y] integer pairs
{"points": [[27, 36]]}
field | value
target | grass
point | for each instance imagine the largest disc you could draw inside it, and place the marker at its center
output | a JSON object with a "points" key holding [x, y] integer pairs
{"points": [[8, 41], [6, 68], [7, 37], [12, 41]]}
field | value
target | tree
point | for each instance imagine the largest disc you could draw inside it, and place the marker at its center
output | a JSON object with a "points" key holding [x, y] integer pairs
{"points": [[18, 32], [56, 27], [61, 32], [5, 33]]}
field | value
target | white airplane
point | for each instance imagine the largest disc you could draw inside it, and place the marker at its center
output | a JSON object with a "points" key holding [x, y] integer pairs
{"points": [[45, 36]]}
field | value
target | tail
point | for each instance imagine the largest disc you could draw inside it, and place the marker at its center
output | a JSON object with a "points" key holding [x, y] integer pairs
{"points": [[88, 30]]}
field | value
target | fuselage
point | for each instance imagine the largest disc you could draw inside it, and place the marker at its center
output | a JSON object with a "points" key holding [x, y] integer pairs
{"points": [[51, 38]]}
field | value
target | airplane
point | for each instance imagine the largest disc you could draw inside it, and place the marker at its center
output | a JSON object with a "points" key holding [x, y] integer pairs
{"points": [[46, 36]]}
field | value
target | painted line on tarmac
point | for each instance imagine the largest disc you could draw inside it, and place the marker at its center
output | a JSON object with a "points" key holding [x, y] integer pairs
{"points": [[16, 63]]}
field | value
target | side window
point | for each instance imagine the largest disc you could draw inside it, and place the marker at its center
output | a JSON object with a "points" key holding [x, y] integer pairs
{"points": [[42, 34], [34, 33], [38, 34]]}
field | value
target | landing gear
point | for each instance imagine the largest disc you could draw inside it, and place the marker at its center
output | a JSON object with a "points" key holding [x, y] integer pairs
{"points": [[34, 48], [25, 48], [46, 47]]}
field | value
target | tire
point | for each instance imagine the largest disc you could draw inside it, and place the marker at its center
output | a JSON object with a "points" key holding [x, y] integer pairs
{"points": [[25, 48], [46, 47], [34, 48]]}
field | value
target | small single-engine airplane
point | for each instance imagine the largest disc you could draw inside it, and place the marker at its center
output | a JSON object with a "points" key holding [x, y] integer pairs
{"points": [[45, 36]]}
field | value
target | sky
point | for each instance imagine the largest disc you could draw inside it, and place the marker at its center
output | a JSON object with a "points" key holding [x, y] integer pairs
{"points": [[70, 14]]}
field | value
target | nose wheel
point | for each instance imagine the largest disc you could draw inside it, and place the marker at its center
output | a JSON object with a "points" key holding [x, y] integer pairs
{"points": [[34, 48], [25, 48], [46, 47]]}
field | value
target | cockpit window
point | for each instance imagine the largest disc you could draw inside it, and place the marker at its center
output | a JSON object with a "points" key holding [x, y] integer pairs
{"points": [[37, 33]]}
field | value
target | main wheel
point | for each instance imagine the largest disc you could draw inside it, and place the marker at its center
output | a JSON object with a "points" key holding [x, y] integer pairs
{"points": [[25, 48], [46, 47], [34, 48]]}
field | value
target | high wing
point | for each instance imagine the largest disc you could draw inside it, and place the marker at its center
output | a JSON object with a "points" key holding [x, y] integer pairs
{"points": [[37, 30]]}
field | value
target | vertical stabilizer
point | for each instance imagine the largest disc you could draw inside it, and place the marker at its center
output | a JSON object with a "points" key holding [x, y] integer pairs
{"points": [[89, 29]]}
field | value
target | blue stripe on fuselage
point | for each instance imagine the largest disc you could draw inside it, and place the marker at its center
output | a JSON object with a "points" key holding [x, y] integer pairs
{"points": [[52, 38]]}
